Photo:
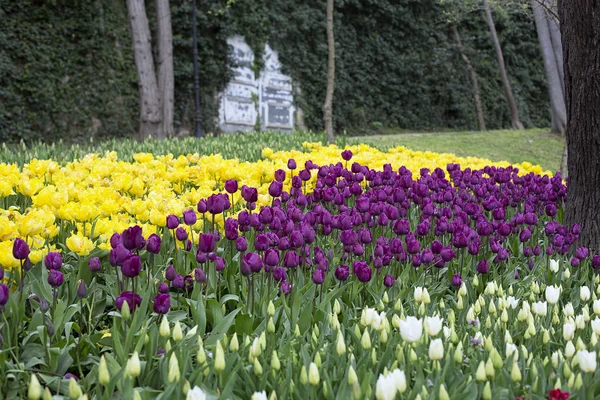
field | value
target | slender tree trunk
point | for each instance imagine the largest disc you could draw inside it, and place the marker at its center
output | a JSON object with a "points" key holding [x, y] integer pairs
{"points": [[580, 25], [166, 80], [472, 77], [514, 114], [553, 26], [327, 107], [557, 100], [150, 115], [564, 162]]}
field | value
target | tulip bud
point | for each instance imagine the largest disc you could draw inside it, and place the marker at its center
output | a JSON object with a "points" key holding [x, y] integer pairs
{"points": [[480, 374], [443, 393], [365, 341], [398, 305], [489, 368], [74, 389], [337, 309], [219, 357], [386, 298], [578, 381], [103, 374], [125, 312], [275, 364], [458, 353], [515, 373], [340, 346], [496, 358], [459, 304], [133, 367], [258, 369], [177, 333], [201, 355], [487, 392], [383, 337], [352, 378], [47, 394], [303, 376], [168, 347], [270, 309], [186, 387], [164, 330], [34, 391], [271, 326], [173, 374]]}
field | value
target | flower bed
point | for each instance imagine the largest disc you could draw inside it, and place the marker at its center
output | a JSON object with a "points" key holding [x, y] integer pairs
{"points": [[303, 275]]}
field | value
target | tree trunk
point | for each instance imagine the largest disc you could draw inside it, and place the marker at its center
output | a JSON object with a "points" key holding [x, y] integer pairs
{"points": [[166, 81], [580, 25], [472, 76], [514, 114], [557, 100], [554, 28], [564, 162], [327, 107], [150, 115]]}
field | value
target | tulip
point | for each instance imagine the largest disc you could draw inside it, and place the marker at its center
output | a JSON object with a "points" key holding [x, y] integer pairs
{"points": [[133, 300], [313, 374], [219, 357], [94, 264], [20, 249], [103, 374], [4, 292], [133, 367], [436, 350], [433, 325], [34, 391], [74, 389], [132, 266], [552, 294], [173, 374], [411, 329], [443, 393], [55, 278], [587, 360], [53, 260], [584, 293]]}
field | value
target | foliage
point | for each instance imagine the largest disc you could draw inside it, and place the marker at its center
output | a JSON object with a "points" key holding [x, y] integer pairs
{"points": [[66, 68]]}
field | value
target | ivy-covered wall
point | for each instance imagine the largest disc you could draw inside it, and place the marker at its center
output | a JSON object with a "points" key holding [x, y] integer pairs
{"points": [[67, 70]]}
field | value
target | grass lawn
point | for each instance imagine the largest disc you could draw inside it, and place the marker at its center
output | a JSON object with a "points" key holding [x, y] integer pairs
{"points": [[537, 146]]}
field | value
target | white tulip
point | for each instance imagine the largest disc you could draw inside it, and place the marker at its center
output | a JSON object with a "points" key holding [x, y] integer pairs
{"points": [[596, 307], [433, 325], [587, 360], [512, 302], [196, 394], [554, 264], [596, 325], [584, 293], [580, 322], [568, 310], [512, 349], [569, 330], [436, 349], [540, 308], [259, 396], [399, 379], [569, 349], [552, 294], [385, 388], [411, 329], [418, 294]]}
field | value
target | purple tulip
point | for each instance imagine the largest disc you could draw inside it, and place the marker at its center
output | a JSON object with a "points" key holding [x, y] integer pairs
{"points": [[4, 292], [181, 234], [81, 289], [231, 228], [172, 221], [162, 303], [596, 261], [163, 288], [253, 261], [20, 249], [53, 260], [285, 287], [241, 244], [220, 264], [132, 238], [249, 194], [132, 266], [456, 280], [200, 275], [279, 274], [318, 276], [279, 175], [178, 282], [170, 273], [271, 257], [582, 253], [231, 186], [206, 243], [153, 244], [115, 240], [133, 300], [388, 281], [275, 189], [201, 206], [483, 267], [189, 217], [347, 155], [55, 278], [362, 271], [291, 164]]}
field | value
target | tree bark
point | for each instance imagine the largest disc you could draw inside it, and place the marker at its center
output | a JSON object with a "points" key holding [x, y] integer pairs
{"points": [[580, 28], [150, 116], [514, 114], [472, 77], [166, 80], [327, 107], [553, 26], [557, 100]]}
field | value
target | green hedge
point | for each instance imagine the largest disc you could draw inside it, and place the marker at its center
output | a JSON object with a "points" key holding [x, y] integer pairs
{"points": [[67, 71]]}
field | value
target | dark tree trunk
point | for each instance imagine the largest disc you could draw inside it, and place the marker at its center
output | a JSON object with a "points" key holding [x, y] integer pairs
{"points": [[580, 28], [328, 107], [555, 88], [472, 77], [166, 80], [514, 113]]}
